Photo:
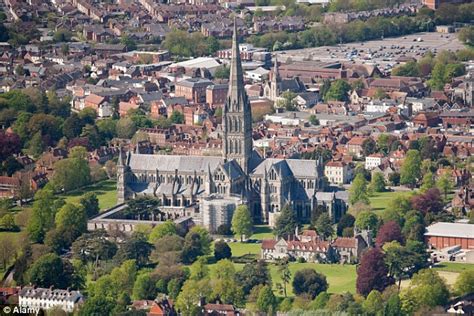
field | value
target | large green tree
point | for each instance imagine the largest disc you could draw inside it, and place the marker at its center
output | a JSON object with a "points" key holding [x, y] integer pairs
{"points": [[411, 168], [308, 281], [286, 223], [242, 222], [358, 190]]}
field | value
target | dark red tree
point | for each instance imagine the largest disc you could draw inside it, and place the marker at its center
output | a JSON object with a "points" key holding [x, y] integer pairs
{"points": [[10, 143], [390, 231], [429, 202], [372, 273]]}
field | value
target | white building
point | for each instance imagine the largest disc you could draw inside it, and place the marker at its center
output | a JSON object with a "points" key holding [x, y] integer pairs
{"points": [[337, 172], [373, 161], [48, 298], [258, 74]]}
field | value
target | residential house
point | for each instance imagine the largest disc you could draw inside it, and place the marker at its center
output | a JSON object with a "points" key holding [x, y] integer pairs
{"points": [[42, 298], [374, 160], [354, 146], [338, 172]]}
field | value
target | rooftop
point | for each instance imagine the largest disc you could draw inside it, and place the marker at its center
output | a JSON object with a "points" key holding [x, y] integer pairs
{"points": [[451, 230]]}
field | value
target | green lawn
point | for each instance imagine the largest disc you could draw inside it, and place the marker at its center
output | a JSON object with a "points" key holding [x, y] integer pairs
{"points": [[106, 192], [239, 249], [262, 232], [379, 200], [454, 267], [341, 278]]}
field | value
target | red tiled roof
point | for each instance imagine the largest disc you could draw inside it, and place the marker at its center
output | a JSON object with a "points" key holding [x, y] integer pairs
{"points": [[220, 307], [268, 243], [344, 242]]}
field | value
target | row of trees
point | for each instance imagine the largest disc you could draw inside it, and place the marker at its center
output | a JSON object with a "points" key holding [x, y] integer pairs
{"points": [[440, 69]]}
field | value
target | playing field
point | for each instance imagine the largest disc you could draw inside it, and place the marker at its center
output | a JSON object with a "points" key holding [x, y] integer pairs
{"points": [[106, 192], [379, 200]]}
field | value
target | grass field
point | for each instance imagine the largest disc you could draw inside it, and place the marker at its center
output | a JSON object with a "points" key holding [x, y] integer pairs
{"points": [[341, 278], [239, 249], [106, 192], [379, 200], [454, 267], [262, 232]]}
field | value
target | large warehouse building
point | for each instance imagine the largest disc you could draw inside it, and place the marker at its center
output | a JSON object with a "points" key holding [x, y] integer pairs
{"points": [[442, 235]]}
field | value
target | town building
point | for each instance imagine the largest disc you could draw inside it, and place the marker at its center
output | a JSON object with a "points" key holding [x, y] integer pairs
{"points": [[373, 161], [337, 172], [310, 247], [266, 185], [442, 235], [45, 299]]}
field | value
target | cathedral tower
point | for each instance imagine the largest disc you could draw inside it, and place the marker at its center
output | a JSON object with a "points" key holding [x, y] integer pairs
{"points": [[237, 116]]}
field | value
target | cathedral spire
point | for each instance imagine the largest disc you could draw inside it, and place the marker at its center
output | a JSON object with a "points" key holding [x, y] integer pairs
{"points": [[236, 92], [237, 116]]}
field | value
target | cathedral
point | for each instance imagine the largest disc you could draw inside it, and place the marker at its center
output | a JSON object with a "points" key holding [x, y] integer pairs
{"points": [[209, 188]]}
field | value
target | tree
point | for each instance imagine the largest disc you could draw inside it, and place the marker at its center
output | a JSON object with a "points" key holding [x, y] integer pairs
{"points": [[144, 287], [7, 249], [427, 289], [42, 219], [7, 223], [135, 248], [222, 250], [308, 281], [346, 221], [427, 182], [466, 35], [191, 294], [73, 219], [369, 146], [411, 168], [367, 220], [242, 222], [285, 274], [125, 128], [393, 306], [428, 202], [224, 287], [464, 283], [320, 301], [266, 301], [97, 306], [72, 126], [338, 91], [177, 117], [445, 184], [49, 270], [372, 273], [324, 227], [286, 223], [128, 42], [196, 243], [394, 178], [377, 183], [165, 229], [313, 120], [252, 275], [388, 232], [222, 72], [373, 304], [358, 190], [93, 247], [90, 202], [35, 145], [71, 173]]}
